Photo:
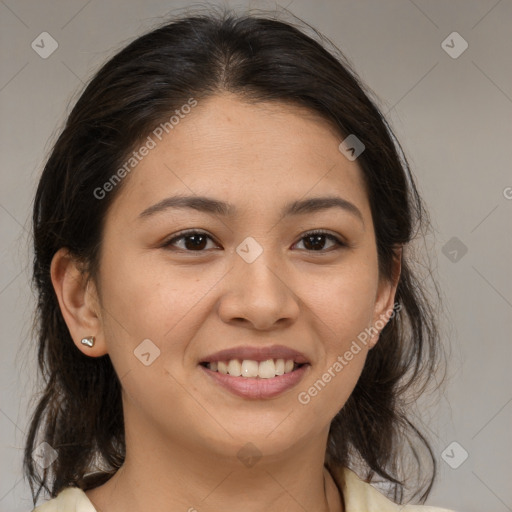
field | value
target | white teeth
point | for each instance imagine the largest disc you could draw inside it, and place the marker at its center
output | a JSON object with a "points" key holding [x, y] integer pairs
{"points": [[251, 369], [267, 369], [222, 367], [279, 366], [235, 368]]}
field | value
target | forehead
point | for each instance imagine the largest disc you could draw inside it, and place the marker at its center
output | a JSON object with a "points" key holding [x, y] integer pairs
{"points": [[268, 153]]}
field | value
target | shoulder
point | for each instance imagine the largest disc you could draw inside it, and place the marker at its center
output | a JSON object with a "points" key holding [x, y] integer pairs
{"points": [[70, 499], [359, 495]]}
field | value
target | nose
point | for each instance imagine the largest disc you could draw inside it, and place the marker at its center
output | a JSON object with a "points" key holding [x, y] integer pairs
{"points": [[259, 294]]}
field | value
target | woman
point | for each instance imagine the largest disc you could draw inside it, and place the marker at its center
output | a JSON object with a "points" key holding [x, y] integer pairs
{"points": [[227, 312]]}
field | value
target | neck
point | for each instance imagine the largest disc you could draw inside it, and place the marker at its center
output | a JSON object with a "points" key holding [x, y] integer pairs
{"points": [[163, 475]]}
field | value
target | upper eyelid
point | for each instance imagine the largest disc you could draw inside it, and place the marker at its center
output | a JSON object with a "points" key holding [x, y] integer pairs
{"points": [[189, 232]]}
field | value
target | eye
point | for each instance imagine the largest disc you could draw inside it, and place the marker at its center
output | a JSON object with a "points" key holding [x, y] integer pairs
{"points": [[193, 241], [315, 240], [197, 241]]}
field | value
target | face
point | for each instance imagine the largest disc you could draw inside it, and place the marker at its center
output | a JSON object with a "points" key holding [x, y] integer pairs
{"points": [[253, 276]]}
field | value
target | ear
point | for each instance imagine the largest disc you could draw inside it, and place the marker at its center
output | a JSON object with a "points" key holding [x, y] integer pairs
{"points": [[385, 298], [78, 301]]}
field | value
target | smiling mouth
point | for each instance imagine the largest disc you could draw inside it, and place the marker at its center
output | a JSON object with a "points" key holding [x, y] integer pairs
{"points": [[248, 368]]}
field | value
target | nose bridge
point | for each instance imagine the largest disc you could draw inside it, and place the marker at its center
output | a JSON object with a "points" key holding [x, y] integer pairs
{"points": [[257, 289], [258, 265]]}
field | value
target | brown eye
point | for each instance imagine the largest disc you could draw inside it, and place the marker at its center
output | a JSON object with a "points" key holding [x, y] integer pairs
{"points": [[315, 241], [197, 241], [193, 241]]}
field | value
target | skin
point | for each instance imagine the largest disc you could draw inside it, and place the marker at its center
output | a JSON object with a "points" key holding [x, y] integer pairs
{"points": [[183, 433]]}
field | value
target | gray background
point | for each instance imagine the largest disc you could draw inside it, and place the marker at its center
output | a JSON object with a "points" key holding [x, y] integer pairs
{"points": [[453, 118]]}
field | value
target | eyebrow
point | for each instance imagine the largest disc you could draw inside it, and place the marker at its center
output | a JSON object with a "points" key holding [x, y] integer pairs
{"points": [[217, 207]]}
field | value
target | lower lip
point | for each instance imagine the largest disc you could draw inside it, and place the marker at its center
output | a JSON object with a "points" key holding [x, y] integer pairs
{"points": [[257, 388]]}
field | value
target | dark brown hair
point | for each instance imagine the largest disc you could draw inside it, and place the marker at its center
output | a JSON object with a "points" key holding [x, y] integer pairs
{"points": [[260, 59]]}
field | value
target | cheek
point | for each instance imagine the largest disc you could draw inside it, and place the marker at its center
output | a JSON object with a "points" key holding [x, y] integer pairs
{"points": [[144, 300], [145, 317], [344, 311], [343, 299]]}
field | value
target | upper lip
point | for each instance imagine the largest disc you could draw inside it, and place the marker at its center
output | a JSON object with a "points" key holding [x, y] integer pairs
{"points": [[257, 354]]}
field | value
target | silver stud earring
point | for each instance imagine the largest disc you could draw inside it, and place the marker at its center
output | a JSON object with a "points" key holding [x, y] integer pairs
{"points": [[89, 341]]}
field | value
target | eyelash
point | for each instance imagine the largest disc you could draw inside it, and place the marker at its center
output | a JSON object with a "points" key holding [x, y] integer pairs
{"points": [[339, 243]]}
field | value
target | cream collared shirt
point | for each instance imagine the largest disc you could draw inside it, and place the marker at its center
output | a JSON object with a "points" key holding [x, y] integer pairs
{"points": [[359, 496]]}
